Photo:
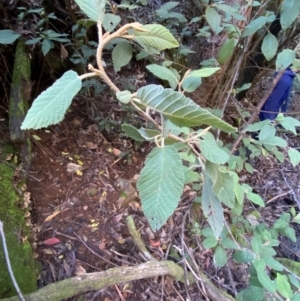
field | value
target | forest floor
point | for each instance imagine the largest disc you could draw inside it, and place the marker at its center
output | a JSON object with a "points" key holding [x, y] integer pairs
{"points": [[77, 181]]}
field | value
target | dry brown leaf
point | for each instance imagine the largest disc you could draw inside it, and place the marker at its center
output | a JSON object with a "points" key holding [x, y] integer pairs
{"points": [[154, 243], [91, 145], [101, 246], [63, 52], [116, 152], [72, 167]]}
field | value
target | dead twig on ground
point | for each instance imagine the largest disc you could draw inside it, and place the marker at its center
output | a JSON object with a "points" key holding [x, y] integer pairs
{"points": [[292, 190]]}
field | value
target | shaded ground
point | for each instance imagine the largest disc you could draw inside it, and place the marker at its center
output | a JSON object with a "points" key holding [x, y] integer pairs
{"points": [[75, 183], [83, 210]]}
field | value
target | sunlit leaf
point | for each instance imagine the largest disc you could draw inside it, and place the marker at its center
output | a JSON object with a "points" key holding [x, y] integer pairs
{"points": [[51, 105], [226, 51], [213, 19], [164, 74], [284, 59], [212, 208], [8, 36], [269, 46], [289, 11], [156, 36], [132, 132], [181, 110], [94, 9], [160, 185]]}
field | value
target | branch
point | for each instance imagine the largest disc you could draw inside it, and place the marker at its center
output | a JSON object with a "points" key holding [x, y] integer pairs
{"points": [[137, 239], [96, 281]]}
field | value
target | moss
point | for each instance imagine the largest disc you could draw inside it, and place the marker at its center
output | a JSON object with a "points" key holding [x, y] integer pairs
{"points": [[20, 253]]}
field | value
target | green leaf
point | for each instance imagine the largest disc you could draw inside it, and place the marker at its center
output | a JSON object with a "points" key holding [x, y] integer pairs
{"points": [[289, 11], [275, 141], [191, 83], [46, 46], [207, 232], [290, 124], [283, 286], [160, 185], [51, 105], [212, 208], [256, 199], [296, 219], [284, 59], [164, 73], [279, 155], [289, 232], [213, 19], [267, 132], [294, 281], [211, 151], [226, 51], [8, 36], [110, 22], [269, 46], [273, 263], [244, 256], [249, 167], [188, 156], [204, 72], [94, 9], [157, 37], [256, 126], [223, 184], [254, 26], [210, 242], [243, 87], [124, 96], [228, 243], [263, 277], [149, 134], [239, 192], [132, 132], [169, 5], [190, 176], [121, 55], [220, 257], [226, 8], [294, 156], [181, 110], [296, 297], [251, 293], [33, 41], [256, 244]]}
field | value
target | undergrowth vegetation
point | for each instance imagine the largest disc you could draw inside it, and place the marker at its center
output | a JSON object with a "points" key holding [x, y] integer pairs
{"points": [[188, 148]]}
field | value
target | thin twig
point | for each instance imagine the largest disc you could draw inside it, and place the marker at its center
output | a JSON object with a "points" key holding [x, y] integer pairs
{"points": [[277, 197], [11, 274], [231, 279], [292, 190], [92, 251]]}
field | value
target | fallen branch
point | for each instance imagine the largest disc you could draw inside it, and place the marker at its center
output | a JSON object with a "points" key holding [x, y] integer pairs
{"points": [[96, 281], [100, 280]]}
